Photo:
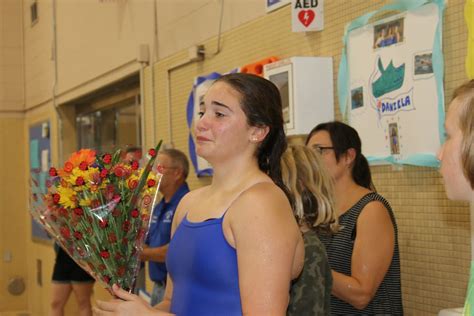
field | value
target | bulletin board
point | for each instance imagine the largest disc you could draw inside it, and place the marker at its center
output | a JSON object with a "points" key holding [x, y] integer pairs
{"points": [[391, 83], [40, 162]]}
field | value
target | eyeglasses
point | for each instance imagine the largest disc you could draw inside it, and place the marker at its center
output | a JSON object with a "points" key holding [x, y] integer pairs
{"points": [[161, 168], [321, 149]]}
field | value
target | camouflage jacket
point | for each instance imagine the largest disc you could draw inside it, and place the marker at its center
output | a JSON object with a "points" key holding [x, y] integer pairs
{"points": [[310, 293]]}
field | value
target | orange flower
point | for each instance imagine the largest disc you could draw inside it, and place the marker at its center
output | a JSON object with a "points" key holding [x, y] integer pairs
{"points": [[86, 156]]}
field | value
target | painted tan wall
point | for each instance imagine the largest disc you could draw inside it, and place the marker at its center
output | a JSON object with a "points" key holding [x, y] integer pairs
{"points": [[13, 227], [13, 259], [98, 41], [434, 233], [11, 56]]}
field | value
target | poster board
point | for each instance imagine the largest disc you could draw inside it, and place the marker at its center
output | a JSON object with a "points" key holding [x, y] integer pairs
{"points": [[392, 77], [200, 87], [39, 164]]}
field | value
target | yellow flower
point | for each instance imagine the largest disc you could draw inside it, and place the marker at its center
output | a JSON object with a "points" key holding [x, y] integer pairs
{"points": [[67, 197]]}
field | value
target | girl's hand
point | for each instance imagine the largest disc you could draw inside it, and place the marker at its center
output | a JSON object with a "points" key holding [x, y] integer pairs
{"points": [[125, 304]]}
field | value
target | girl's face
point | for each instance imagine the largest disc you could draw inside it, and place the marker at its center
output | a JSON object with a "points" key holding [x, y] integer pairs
{"points": [[456, 185], [222, 131]]}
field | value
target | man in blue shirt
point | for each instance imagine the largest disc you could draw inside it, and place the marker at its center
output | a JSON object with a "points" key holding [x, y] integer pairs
{"points": [[175, 167]]}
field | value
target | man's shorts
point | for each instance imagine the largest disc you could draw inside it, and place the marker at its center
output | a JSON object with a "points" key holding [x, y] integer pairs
{"points": [[67, 270]]}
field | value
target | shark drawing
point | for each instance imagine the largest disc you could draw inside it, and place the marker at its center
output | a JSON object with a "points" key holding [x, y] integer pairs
{"points": [[390, 79]]}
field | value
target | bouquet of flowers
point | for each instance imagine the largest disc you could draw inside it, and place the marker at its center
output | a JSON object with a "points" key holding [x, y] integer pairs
{"points": [[97, 208]]}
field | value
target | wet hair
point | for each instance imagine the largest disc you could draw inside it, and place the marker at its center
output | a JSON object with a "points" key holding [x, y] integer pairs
{"points": [[178, 159], [261, 102], [343, 138], [311, 189], [465, 94]]}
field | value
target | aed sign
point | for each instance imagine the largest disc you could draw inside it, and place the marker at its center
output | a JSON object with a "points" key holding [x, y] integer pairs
{"points": [[307, 15]]}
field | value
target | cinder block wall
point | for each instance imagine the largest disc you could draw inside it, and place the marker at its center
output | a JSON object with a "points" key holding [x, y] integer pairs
{"points": [[434, 232]]}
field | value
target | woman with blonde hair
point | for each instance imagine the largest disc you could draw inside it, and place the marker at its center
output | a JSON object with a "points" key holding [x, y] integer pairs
{"points": [[457, 158], [312, 199]]}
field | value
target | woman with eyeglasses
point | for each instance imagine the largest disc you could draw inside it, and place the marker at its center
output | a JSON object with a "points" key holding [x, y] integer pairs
{"points": [[364, 255]]}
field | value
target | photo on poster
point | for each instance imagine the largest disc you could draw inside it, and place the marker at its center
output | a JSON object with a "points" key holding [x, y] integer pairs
{"points": [[423, 64], [394, 138], [388, 33], [357, 98]]}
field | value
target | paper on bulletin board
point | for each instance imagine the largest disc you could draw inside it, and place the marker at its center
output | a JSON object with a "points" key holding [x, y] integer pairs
{"points": [[44, 160], [34, 154], [394, 98], [469, 17]]}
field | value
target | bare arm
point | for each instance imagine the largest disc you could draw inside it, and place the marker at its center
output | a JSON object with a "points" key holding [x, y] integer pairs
{"points": [[373, 252], [157, 254], [266, 238]]}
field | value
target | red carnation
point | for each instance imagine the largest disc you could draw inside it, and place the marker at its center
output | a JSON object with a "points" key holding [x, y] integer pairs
{"points": [[107, 158], [80, 181], [65, 232], [95, 204], [105, 254], [152, 152], [126, 226], [121, 271], [103, 223], [83, 166], [135, 213], [104, 172], [106, 279], [112, 238], [68, 166], [102, 267], [116, 212], [134, 165], [78, 211], [110, 188], [53, 172], [78, 235], [151, 183], [124, 241], [56, 198], [63, 212]]}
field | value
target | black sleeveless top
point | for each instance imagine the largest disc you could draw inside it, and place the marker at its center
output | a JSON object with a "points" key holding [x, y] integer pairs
{"points": [[339, 247]]}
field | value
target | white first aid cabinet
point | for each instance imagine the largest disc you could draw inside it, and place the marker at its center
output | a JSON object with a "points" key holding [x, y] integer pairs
{"points": [[306, 88]]}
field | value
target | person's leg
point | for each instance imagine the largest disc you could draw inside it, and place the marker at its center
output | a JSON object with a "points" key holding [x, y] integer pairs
{"points": [[83, 292], [59, 296], [158, 293]]}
